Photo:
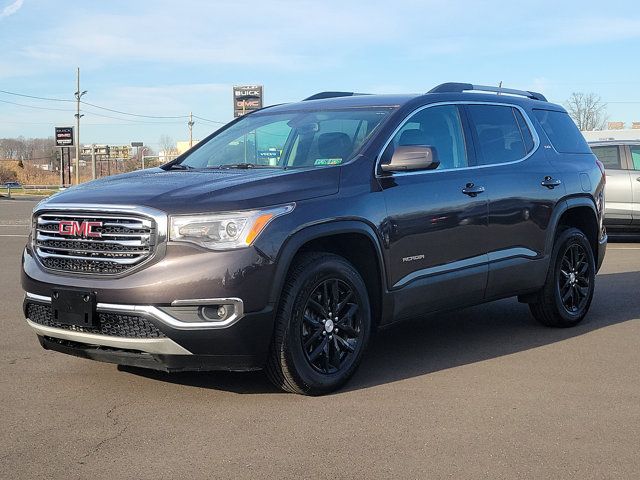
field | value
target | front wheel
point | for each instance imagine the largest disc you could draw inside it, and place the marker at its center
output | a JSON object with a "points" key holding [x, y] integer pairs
{"points": [[322, 327], [566, 296]]}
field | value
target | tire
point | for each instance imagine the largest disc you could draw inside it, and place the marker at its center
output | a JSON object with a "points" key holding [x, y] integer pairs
{"points": [[312, 353], [568, 290]]}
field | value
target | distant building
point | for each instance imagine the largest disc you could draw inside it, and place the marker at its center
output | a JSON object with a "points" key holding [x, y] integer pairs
{"points": [[615, 126], [625, 134], [184, 146], [112, 152]]}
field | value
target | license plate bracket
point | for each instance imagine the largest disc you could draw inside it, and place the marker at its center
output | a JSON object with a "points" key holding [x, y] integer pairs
{"points": [[74, 307]]}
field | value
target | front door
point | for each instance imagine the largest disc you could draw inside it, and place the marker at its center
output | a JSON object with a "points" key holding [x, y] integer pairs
{"points": [[436, 233]]}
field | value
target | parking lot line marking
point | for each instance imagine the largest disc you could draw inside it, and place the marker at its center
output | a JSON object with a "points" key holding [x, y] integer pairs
{"points": [[10, 235], [623, 248], [15, 225]]}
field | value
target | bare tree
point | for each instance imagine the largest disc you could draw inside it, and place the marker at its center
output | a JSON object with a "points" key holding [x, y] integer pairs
{"points": [[587, 110], [167, 145]]}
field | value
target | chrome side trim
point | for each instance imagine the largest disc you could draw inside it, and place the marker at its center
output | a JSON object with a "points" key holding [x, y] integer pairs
{"points": [[534, 133], [157, 314], [441, 269], [484, 259], [164, 346]]}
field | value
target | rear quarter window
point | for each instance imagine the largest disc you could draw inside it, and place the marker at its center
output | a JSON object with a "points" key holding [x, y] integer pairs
{"points": [[562, 131]]}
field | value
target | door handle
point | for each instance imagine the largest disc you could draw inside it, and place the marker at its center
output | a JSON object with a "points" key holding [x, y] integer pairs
{"points": [[550, 182], [472, 190], [638, 179]]}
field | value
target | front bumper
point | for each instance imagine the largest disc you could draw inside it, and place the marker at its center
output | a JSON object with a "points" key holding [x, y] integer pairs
{"points": [[160, 341]]}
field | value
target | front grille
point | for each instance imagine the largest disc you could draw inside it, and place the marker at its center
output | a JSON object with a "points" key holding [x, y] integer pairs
{"points": [[114, 244], [112, 324]]}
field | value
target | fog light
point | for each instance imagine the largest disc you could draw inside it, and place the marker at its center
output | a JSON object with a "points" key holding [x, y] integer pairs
{"points": [[216, 313]]}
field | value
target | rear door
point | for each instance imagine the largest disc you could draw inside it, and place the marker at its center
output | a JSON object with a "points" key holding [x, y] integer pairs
{"points": [[520, 205], [619, 192], [634, 164]]}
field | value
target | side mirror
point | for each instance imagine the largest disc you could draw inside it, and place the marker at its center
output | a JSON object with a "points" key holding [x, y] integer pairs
{"points": [[412, 157]]}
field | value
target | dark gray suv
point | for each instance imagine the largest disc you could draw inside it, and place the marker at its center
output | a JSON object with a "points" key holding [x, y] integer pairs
{"points": [[286, 238]]}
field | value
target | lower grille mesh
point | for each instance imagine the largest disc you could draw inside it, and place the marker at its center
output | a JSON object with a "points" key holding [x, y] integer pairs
{"points": [[112, 324]]}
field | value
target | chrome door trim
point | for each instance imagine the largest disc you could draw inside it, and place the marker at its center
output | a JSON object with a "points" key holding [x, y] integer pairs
{"points": [[534, 133]]}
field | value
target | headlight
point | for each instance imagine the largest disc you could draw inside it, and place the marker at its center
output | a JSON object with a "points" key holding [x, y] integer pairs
{"points": [[223, 231]]}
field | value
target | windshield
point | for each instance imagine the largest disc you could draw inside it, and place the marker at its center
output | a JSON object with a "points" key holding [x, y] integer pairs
{"points": [[290, 139]]}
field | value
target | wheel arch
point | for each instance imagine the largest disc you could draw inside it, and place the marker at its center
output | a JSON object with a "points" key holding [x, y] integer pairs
{"points": [[579, 212], [354, 240]]}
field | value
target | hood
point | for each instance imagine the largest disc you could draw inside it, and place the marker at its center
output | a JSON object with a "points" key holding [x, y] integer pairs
{"points": [[193, 191]]}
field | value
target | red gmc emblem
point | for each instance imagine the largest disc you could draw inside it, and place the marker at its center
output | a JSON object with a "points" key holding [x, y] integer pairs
{"points": [[73, 228]]}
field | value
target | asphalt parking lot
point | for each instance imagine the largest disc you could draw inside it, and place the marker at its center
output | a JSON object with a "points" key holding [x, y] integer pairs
{"points": [[481, 393]]}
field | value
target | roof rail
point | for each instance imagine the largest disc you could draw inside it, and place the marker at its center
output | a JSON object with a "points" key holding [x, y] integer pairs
{"points": [[321, 95], [467, 87]]}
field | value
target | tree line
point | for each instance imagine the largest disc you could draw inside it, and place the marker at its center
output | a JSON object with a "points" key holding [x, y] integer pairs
{"points": [[28, 149]]}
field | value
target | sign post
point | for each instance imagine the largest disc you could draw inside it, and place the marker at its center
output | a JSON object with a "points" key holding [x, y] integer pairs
{"points": [[64, 140]]}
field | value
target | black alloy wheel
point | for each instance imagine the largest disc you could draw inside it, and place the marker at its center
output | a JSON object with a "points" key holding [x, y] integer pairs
{"points": [[573, 279], [331, 326], [566, 296], [322, 326]]}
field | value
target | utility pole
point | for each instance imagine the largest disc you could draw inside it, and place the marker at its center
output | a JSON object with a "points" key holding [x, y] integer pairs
{"points": [[78, 95], [191, 123]]}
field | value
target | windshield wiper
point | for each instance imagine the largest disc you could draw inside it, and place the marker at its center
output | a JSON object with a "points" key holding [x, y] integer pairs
{"points": [[179, 166], [243, 165]]}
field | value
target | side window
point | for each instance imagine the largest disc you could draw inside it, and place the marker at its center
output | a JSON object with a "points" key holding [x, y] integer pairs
{"points": [[562, 131], [438, 127], [499, 135], [524, 130], [635, 156], [609, 156]]}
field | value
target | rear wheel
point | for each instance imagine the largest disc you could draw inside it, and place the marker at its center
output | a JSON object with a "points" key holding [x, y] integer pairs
{"points": [[566, 296], [322, 328]]}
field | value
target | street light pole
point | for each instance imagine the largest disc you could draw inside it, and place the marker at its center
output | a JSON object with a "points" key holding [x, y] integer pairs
{"points": [[78, 95]]}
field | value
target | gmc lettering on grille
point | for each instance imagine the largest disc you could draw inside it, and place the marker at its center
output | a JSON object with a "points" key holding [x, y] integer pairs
{"points": [[79, 229]]}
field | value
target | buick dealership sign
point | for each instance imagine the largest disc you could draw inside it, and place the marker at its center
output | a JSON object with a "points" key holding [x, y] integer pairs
{"points": [[246, 99], [64, 136]]}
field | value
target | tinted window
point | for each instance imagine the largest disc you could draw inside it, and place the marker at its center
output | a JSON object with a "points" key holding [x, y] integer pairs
{"points": [[635, 156], [609, 156], [438, 127], [524, 130], [562, 131], [499, 135]]}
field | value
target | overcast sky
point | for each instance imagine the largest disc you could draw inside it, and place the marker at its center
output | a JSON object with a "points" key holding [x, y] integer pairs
{"points": [[168, 58]]}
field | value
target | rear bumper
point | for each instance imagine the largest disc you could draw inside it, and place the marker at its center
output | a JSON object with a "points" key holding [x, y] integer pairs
{"points": [[172, 345]]}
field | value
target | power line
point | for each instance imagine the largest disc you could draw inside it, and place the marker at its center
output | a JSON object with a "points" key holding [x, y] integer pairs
{"points": [[98, 107], [38, 108], [38, 98], [207, 120], [132, 114]]}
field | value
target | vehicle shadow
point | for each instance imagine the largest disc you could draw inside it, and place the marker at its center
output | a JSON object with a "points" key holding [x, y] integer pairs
{"points": [[448, 340]]}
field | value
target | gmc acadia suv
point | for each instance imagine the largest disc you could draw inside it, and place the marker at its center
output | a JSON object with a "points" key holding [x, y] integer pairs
{"points": [[287, 237]]}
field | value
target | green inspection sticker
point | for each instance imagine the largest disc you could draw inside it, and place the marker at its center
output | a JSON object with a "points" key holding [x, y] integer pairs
{"points": [[328, 161]]}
